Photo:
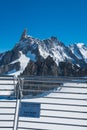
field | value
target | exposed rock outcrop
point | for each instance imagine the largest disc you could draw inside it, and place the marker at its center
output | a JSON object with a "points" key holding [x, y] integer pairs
{"points": [[9, 68], [24, 35], [43, 67]]}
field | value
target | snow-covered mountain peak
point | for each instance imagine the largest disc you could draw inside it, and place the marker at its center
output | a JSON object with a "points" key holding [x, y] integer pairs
{"points": [[30, 49], [49, 47], [79, 50], [80, 45]]}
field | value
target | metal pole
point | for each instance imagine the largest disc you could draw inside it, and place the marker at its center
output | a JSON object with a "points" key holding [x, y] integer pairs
{"points": [[15, 91], [17, 107]]}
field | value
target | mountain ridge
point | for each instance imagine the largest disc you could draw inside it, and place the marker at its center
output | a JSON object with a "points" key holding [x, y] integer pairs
{"points": [[38, 51]]}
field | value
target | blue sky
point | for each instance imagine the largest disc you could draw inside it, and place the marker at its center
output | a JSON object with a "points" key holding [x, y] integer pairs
{"points": [[66, 19]]}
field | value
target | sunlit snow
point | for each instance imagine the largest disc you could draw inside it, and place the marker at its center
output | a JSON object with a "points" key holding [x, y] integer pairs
{"points": [[23, 63]]}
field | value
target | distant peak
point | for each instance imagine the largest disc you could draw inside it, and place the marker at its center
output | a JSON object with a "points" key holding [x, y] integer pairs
{"points": [[56, 40], [77, 45], [24, 34], [80, 44]]}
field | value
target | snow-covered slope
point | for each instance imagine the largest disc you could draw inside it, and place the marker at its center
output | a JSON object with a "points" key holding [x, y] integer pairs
{"points": [[55, 49], [80, 51], [23, 63]]}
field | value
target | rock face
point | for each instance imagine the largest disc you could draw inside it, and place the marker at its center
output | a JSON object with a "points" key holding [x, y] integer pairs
{"points": [[43, 67], [32, 56], [9, 57], [24, 35], [68, 69], [9, 68], [48, 67], [6, 60]]}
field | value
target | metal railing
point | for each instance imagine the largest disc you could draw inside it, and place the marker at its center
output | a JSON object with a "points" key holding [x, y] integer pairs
{"points": [[63, 102], [8, 102]]}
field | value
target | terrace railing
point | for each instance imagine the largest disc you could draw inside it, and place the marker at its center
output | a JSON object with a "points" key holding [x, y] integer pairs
{"points": [[43, 103], [8, 102], [62, 103]]}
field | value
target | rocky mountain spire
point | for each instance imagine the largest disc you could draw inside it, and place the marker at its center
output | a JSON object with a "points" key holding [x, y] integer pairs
{"points": [[24, 34]]}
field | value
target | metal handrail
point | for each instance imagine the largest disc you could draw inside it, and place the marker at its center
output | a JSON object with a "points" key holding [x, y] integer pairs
{"points": [[6, 99], [33, 84]]}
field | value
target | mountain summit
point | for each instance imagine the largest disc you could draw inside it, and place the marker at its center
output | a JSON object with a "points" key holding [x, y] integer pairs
{"points": [[24, 35], [33, 56]]}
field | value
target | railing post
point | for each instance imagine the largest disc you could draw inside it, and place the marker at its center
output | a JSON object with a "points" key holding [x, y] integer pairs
{"points": [[21, 82], [17, 105], [15, 89]]}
